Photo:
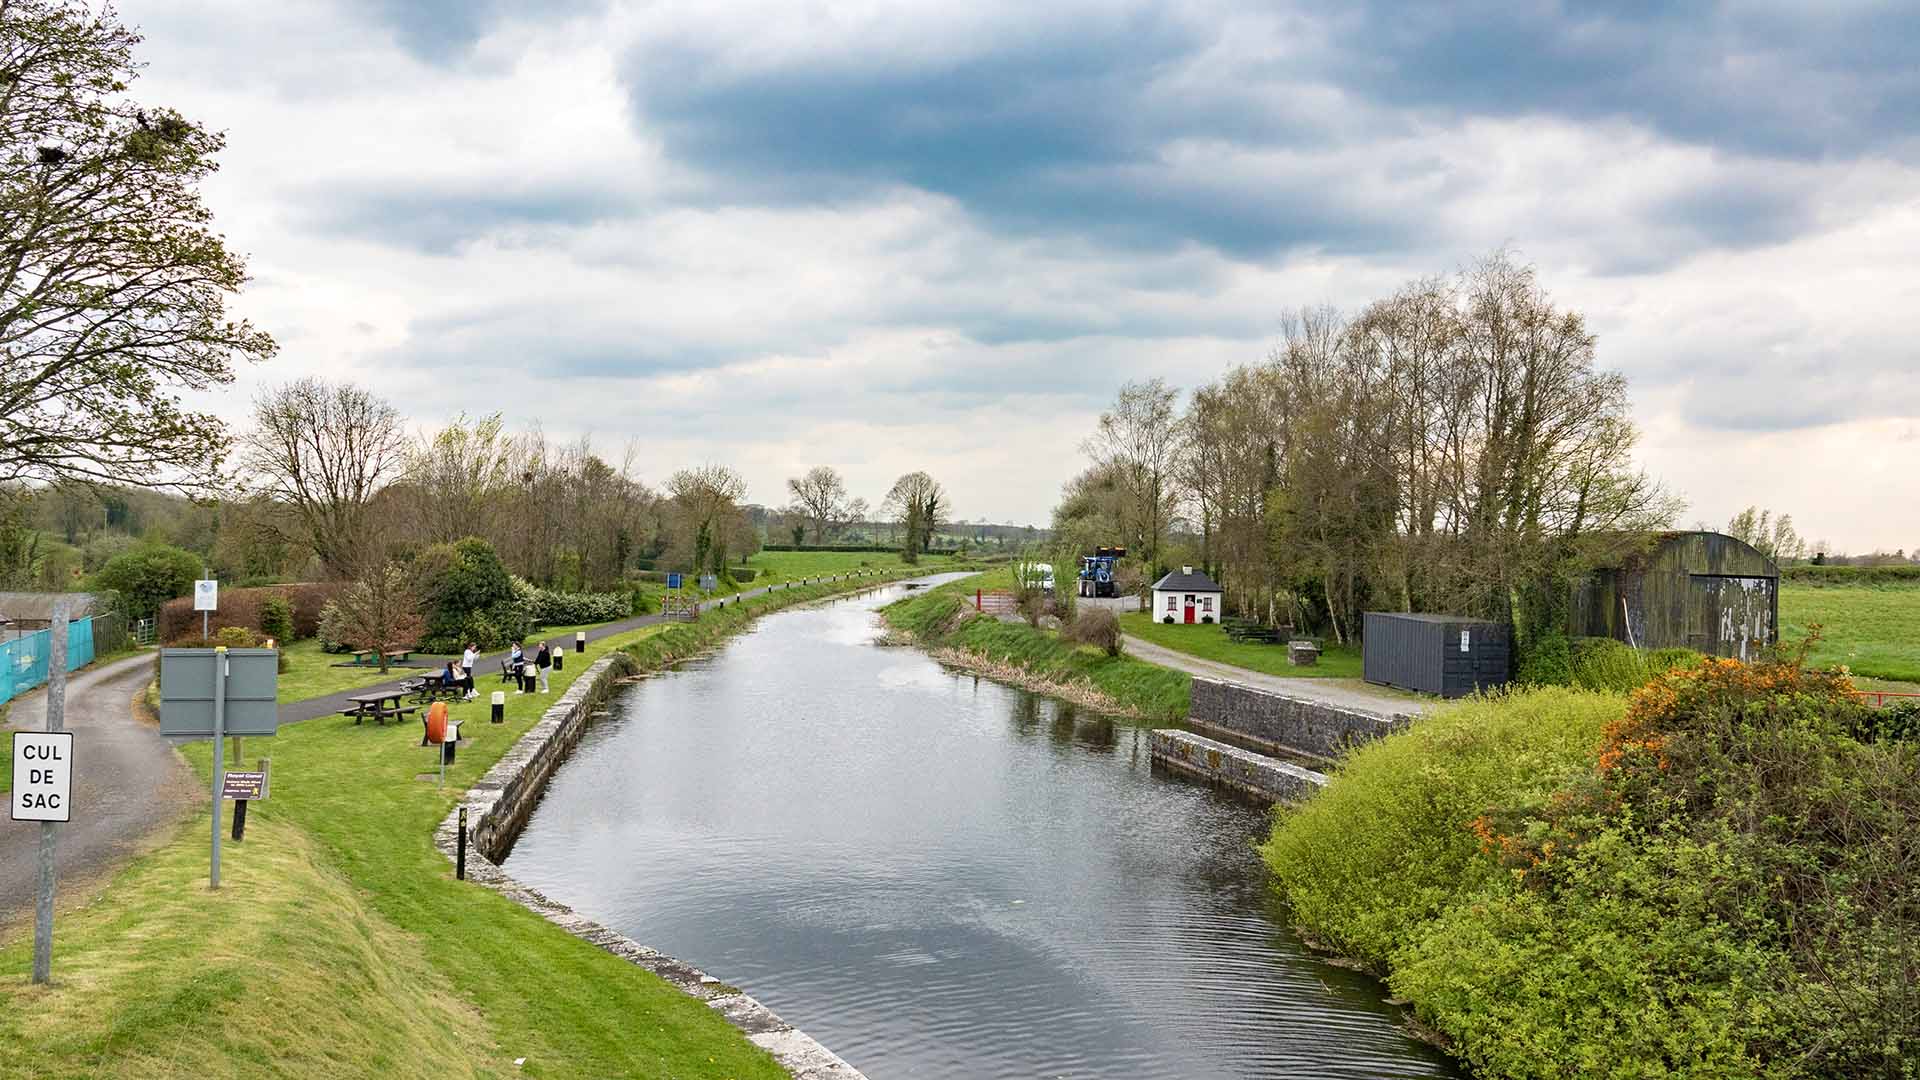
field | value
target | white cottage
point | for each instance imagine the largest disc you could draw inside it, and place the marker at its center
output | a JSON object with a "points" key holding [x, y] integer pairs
{"points": [[1186, 597]]}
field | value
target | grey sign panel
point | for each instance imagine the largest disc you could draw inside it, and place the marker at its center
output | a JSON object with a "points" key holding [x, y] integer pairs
{"points": [[186, 692]]}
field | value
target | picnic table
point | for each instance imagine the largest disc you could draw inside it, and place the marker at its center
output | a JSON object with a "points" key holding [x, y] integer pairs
{"points": [[362, 656], [429, 687], [374, 706]]}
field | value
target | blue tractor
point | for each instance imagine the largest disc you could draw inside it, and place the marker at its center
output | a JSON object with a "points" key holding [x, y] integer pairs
{"points": [[1096, 571]]}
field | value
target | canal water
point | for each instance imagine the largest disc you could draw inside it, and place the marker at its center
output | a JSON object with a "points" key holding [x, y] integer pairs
{"points": [[939, 876]]}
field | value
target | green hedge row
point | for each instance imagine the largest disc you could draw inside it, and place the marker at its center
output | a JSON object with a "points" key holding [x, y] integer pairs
{"points": [[1852, 575]]}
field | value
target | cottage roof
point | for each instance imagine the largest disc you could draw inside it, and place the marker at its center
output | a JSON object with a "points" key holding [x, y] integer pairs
{"points": [[1185, 580]]}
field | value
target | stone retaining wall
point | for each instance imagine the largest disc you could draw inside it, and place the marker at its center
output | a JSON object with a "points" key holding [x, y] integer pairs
{"points": [[1273, 723], [497, 810], [1243, 771]]}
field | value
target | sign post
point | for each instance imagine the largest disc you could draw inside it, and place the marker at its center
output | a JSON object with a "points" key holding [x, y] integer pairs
{"points": [[206, 598], [43, 787], [218, 692], [219, 745]]}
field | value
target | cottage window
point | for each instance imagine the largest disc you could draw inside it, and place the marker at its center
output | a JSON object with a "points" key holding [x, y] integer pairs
{"points": [[1206, 603], [1171, 602]]}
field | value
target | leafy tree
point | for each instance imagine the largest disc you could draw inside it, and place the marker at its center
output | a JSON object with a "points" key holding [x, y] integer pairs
{"points": [[113, 284], [919, 504], [1772, 536], [468, 596], [705, 508], [380, 612], [149, 576]]}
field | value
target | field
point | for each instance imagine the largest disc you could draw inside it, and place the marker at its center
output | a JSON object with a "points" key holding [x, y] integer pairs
{"points": [[1210, 642], [1873, 629], [311, 673], [340, 944]]}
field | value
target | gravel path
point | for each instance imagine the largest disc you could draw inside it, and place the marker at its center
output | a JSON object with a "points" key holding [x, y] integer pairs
{"points": [[128, 786], [1345, 693]]}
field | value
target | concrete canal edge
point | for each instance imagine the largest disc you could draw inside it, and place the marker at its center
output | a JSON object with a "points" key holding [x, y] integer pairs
{"points": [[1240, 735], [497, 809]]}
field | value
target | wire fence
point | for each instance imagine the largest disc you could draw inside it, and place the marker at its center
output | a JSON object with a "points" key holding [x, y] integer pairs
{"points": [[23, 660]]}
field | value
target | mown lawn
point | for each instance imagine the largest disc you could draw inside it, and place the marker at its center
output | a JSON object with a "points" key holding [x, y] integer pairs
{"points": [[1210, 642], [311, 673], [341, 945], [1873, 630]]}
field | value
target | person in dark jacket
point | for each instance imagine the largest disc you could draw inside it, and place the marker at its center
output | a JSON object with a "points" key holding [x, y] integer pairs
{"points": [[544, 661]]}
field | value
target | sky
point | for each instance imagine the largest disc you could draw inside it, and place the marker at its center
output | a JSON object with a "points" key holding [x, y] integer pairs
{"points": [[940, 236]]}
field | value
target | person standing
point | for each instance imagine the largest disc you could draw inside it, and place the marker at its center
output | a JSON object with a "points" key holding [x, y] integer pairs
{"points": [[543, 660], [467, 660], [517, 663]]}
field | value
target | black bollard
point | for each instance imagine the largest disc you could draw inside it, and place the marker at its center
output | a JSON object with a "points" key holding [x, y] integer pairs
{"points": [[580, 641], [558, 657], [499, 707], [460, 846], [239, 819]]}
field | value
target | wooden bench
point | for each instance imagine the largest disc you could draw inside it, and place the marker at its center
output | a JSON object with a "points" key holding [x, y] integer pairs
{"points": [[362, 656]]}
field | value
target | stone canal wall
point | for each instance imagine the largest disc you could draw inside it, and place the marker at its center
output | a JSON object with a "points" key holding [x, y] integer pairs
{"points": [[1272, 723], [1254, 775], [497, 810]]}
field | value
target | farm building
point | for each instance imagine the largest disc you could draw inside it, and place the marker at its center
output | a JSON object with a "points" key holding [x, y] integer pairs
{"points": [[1449, 655], [1703, 590], [1188, 596]]}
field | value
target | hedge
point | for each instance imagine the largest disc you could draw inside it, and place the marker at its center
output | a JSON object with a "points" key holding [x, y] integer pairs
{"points": [[1852, 575], [247, 607]]}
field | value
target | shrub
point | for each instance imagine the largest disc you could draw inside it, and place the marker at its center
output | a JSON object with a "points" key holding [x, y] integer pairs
{"points": [[236, 637], [333, 630], [1678, 658], [276, 618], [552, 608], [642, 603], [1386, 845], [1546, 661], [1096, 626], [1601, 663], [469, 596], [1898, 722], [148, 576], [247, 607]]}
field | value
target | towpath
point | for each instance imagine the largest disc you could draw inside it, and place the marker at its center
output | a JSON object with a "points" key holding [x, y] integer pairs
{"points": [[128, 784], [1342, 693]]}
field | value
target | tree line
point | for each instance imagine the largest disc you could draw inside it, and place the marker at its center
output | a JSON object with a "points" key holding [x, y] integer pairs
{"points": [[1452, 447]]}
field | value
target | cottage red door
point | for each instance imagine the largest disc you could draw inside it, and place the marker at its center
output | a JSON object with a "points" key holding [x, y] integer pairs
{"points": [[1189, 609]]}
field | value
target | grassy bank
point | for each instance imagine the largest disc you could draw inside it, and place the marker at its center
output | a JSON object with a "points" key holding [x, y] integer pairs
{"points": [[1210, 642], [1710, 879], [1873, 629], [342, 946], [943, 618]]}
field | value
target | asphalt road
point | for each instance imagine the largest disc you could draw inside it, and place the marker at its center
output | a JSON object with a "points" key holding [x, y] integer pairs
{"points": [[128, 786]]}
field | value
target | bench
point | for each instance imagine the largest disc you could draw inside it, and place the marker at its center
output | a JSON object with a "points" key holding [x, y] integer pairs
{"points": [[400, 655], [428, 688], [382, 714], [362, 656]]}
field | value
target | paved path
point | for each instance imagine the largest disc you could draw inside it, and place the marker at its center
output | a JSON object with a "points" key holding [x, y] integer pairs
{"points": [[1344, 693], [128, 786]]}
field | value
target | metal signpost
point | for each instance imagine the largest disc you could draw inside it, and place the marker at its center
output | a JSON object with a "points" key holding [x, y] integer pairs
{"points": [[43, 786], [206, 599], [218, 692], [673, 581]]}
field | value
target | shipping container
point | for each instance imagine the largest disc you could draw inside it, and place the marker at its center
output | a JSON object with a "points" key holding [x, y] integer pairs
{"points": [[1448, 655]]}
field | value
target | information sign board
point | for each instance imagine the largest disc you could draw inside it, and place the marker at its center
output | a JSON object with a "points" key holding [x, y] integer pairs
{"points": [[186, 692], [251, 786], [42, 776], [673, 581], [206, 596]]}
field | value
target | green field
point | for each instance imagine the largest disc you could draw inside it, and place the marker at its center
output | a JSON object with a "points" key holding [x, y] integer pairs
{"points": [[793, 565], [1873, 630], [311, 673], [1210, 642], [340, 944]]}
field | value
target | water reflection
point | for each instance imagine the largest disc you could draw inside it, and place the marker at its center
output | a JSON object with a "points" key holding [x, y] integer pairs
{"points": [[939, 876]]}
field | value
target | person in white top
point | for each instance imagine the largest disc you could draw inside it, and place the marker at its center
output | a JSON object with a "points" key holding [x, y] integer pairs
{"points": [[467, 660]]}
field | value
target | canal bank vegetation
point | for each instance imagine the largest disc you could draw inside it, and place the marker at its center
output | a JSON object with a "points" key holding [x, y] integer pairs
{"points": [[944, 621], [340, 943], [1714, 877]]}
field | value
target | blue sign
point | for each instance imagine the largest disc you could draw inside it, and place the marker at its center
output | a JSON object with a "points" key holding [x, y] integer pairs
{"points": [[673, 581]]}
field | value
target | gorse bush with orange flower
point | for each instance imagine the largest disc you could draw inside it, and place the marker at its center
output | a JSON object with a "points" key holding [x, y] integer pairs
{"points": [[1728, 884]]}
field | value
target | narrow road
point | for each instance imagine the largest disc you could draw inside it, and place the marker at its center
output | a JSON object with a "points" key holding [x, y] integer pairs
{"points": [[1342, 693], [128, 786]]}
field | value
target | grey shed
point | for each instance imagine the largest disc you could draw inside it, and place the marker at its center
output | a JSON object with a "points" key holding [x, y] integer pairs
{"points": [[1448, 655]]}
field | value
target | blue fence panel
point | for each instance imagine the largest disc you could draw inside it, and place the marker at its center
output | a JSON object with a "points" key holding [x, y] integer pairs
{"points": [[24, 659]]}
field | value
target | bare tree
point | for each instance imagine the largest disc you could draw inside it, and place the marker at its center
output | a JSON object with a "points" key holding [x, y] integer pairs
{"points": [[112, 283], [456, 475], [919, 504], [380, 612], [325, 450], [821, 496], [705, 508], [1138, 437]]}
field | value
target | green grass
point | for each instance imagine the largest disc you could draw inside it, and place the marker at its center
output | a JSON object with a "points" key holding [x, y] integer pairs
{"points": [[793, 565], [344, 947], [943, 616], [1210, 642], [1873, 630], [311, 673]]}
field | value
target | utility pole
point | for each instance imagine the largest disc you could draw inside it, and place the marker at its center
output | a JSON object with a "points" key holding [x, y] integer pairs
{"points": [[56, 719]]}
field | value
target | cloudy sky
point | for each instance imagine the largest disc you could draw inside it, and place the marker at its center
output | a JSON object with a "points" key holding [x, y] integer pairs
{"points": [[896, 236]]}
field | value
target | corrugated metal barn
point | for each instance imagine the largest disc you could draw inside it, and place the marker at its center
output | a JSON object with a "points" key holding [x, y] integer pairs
{"points": [[1704, 590], [1449, 655]]}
